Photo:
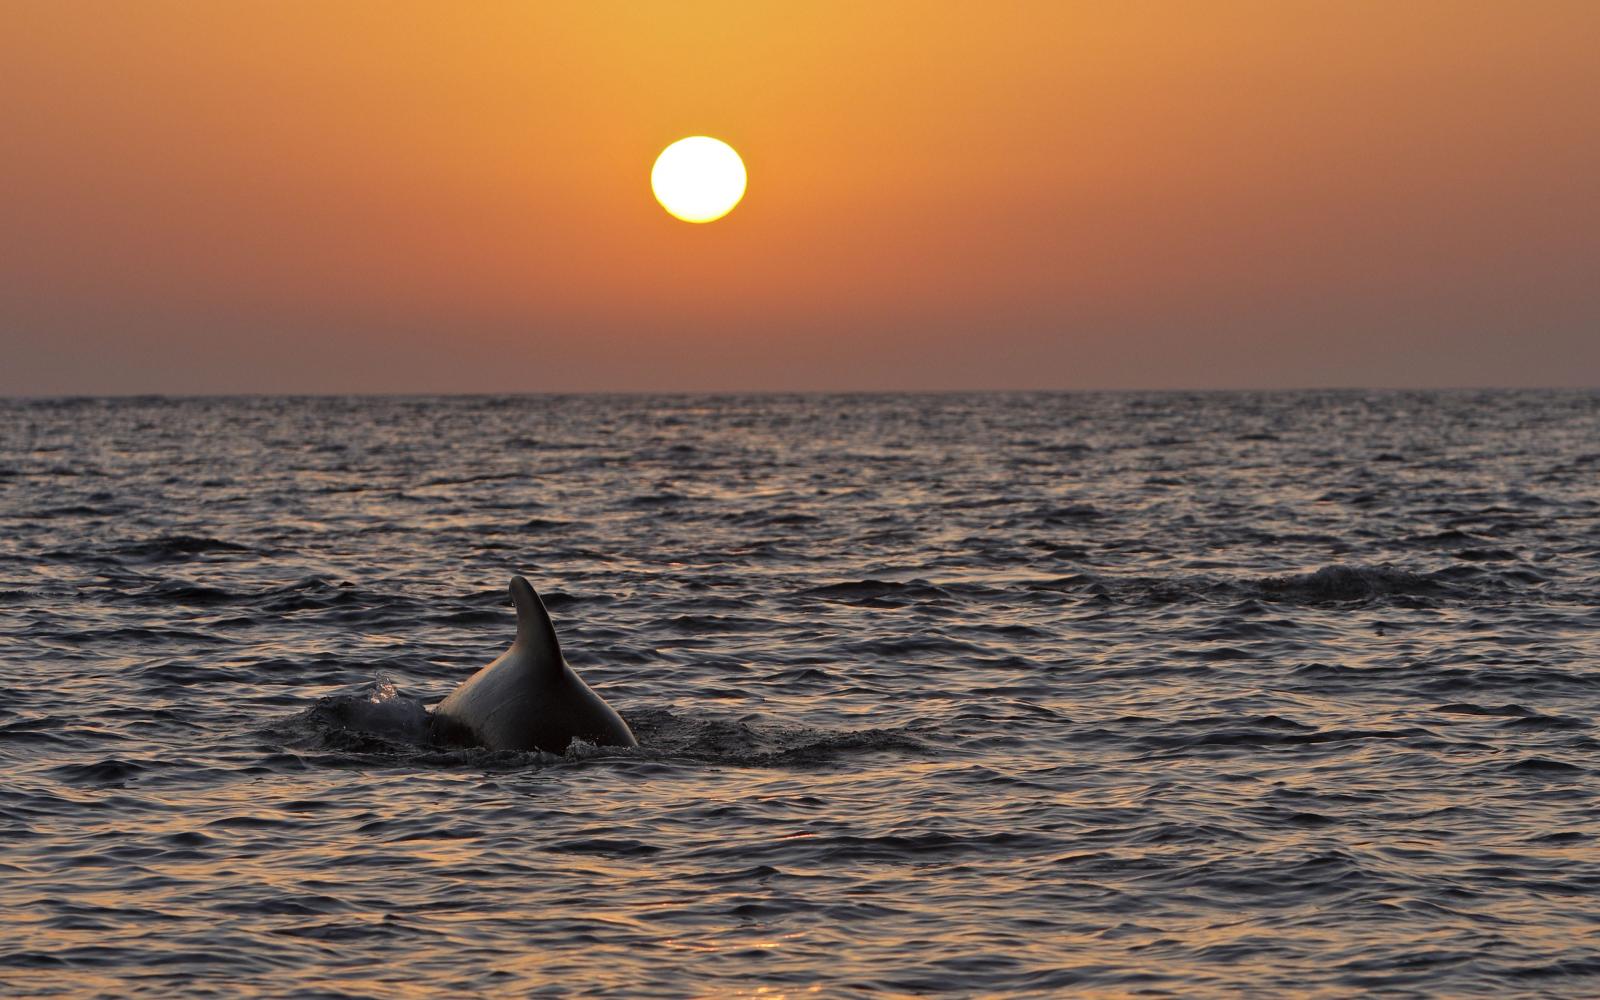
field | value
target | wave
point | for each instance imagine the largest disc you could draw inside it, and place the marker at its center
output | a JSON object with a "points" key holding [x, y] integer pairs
{"points": [[878, 593], [1340, 582], [168, 548], [1334, 584]]}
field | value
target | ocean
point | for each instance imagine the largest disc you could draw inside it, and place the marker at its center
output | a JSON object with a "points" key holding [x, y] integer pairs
{"points": [[1169, 694]]}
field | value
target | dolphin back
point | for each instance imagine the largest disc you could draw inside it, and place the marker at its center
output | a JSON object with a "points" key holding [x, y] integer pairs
{"points": [[529, 698], [535, 631]]}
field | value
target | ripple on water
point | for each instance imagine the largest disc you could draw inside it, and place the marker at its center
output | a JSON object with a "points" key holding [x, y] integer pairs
{"points": [[1184, 694]]}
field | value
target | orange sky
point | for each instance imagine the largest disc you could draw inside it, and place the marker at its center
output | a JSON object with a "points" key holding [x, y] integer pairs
{"points": [[340, 196]]}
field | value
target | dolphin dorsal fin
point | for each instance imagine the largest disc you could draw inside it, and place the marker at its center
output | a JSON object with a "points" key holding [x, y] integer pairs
{"points": [[535, 632]]}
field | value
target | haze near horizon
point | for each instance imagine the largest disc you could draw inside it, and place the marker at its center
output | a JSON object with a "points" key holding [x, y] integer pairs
{"points": [[363, 197]]}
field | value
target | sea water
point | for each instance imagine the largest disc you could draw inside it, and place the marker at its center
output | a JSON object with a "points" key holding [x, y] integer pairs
{"points": [[1032, 694]]}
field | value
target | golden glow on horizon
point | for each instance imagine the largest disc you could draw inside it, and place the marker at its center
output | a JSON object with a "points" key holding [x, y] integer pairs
{"points": [[698, 179], [204, 196]]}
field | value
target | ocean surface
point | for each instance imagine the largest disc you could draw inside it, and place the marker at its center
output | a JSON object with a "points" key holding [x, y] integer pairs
{"points": [[960, 695]]}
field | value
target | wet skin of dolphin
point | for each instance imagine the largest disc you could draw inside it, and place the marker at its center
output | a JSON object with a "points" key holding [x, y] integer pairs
{"points": [[529, 698]]}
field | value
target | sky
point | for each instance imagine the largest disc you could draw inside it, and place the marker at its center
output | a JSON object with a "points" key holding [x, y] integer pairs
{"points": [[340, 196]]}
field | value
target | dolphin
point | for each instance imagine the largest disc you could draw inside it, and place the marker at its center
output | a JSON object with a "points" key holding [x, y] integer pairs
{"points": [[529, 698]]}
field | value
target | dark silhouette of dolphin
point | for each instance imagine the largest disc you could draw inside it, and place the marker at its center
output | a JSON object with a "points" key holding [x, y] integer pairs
{"points": [[529, 698]]}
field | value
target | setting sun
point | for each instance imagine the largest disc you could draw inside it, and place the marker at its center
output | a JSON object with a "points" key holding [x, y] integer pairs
{"points": [[698, 179]]}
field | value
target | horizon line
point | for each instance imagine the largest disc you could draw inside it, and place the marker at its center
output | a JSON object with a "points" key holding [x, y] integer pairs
{"points": [[484, 394]]}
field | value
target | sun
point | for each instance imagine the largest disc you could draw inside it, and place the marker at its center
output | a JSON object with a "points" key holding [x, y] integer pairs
{"points": [[698, 179]]}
